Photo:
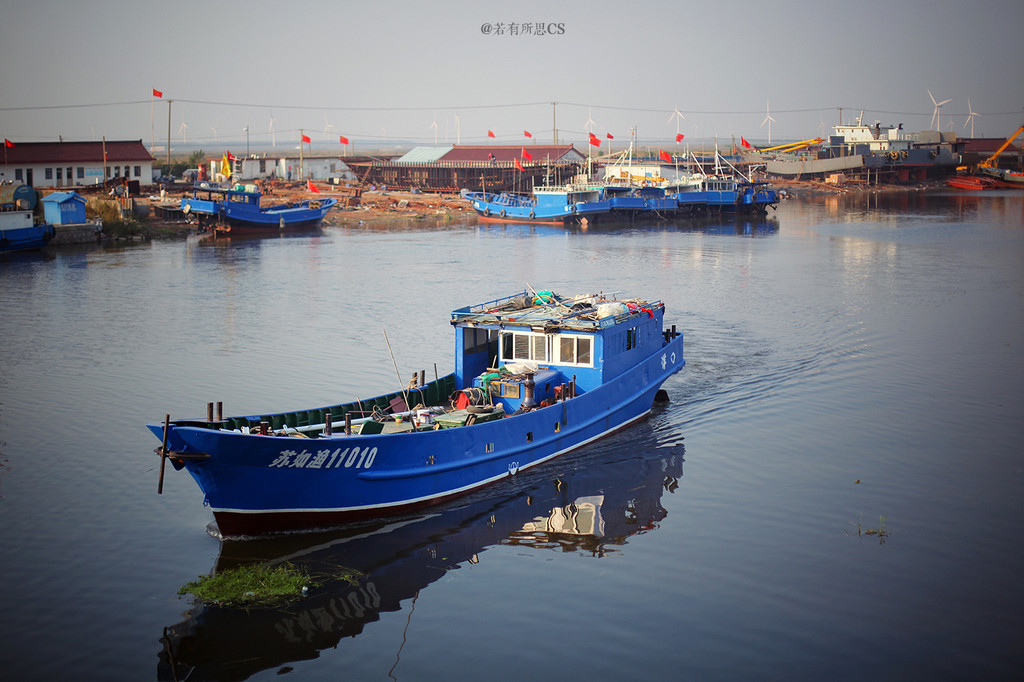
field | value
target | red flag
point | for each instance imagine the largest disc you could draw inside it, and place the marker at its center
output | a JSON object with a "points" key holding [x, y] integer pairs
{"points": [[157, 93], [594, 140], [609, 136], [527, 133], [527, 155], [490, 133], [665, 156], [231, 157], [744, 142], [311, 187], [305, 138], [8, 143], [344, 140], [519, 165], [679, 137]]}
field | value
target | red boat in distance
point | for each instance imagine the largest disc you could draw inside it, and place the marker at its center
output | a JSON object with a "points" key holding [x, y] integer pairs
{"points": [[972, 182]]}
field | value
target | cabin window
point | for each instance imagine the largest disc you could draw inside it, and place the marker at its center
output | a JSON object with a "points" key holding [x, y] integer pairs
{"points": [[17, 175], [138, 171], [49, 174], [575, 350], [80, 173], [631, 338], [524, 346]]}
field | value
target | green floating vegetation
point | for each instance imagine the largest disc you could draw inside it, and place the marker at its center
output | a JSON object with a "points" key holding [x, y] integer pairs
{"points": [[253, 585], [881, 532]]}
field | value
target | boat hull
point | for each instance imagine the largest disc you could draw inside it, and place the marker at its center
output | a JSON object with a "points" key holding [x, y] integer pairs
{"points": [[257, 484], [1006, 177], [26, 238]]}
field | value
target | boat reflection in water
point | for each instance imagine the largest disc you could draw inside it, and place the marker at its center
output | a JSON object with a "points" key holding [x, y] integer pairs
{"points": [[590, 503], [716, 223]]}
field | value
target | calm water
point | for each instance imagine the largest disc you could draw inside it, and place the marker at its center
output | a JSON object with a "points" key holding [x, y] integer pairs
{"points": [[851, 363]]}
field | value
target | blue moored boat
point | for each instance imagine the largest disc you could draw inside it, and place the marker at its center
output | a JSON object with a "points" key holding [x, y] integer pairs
{"points": [[19, 232], [547, 204], [236, 209], [536, 375]]}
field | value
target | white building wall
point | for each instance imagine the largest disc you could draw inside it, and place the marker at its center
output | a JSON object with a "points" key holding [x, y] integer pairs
{"points": [[81, 174], [316, 168]]}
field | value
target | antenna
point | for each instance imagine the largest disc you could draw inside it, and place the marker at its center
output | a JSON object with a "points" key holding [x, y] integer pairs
{"points": [[970, 116], [936, 117], [769, 120]]}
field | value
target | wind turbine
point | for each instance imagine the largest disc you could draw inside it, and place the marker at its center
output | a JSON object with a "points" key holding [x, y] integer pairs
{"points": [[589, 125], [678, 116], [769, 120], [970, 116], [327, 127], [936, 117], [183, 129], [433, 126], [273, 138], [214, 129]]}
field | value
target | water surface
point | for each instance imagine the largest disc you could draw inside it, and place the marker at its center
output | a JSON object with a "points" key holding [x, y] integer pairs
{"points": [[852, 363]]}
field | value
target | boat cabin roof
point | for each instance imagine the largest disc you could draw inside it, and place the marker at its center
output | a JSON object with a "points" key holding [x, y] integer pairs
{"points": [[229, 192], [583, 313]]}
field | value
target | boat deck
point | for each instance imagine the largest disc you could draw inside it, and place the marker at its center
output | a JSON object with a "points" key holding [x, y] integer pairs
{"points": [[582, 313]]}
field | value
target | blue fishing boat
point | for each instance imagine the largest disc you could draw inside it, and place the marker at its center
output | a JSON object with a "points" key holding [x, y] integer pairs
{"points": [[536, 375], [237, 209], [20, 232], [724, 194], [568, 203]]}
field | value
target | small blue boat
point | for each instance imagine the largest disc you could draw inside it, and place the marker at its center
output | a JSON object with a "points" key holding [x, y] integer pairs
{"points": [[19, 232], [237, 210], [725, 194], [547, 204], [536, 375]]}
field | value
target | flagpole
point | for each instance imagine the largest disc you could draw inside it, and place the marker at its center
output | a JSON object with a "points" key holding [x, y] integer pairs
{"points": [[302, 174], [152, 123]]}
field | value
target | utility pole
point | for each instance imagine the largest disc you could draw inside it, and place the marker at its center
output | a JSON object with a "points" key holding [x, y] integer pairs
{"points": [[554, 125], [169, 133]]}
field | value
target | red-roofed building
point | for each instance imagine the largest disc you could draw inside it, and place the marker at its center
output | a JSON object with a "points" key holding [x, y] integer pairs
{"points": [[474, 167], [553, 153], [75, 164], [977, 149]]}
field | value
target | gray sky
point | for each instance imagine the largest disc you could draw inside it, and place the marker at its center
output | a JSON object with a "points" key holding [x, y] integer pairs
{"points": [[386, 70]]}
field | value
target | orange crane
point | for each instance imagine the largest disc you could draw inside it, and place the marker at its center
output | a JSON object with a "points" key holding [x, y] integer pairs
{"points": [[793, 146], [993, 161]]}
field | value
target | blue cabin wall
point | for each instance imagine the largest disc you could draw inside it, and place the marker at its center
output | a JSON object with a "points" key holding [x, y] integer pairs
{"points": [[475, 349], [616, 357]]}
